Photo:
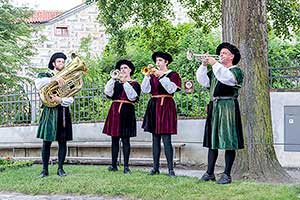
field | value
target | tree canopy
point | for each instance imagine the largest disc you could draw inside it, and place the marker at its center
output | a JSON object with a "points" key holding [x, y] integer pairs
{"points": [[283, 16], [16, 42]]}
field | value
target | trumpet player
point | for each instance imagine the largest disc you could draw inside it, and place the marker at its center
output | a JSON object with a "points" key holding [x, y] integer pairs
{"points": [[223, 128], [160, 118], [120, 123], [55, 122]]}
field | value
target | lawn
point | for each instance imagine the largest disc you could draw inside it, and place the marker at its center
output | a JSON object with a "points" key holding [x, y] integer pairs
{"points": [[96, 180]]}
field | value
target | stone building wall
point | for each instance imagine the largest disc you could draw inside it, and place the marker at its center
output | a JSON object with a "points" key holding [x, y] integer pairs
{"points": [[77, 23]]}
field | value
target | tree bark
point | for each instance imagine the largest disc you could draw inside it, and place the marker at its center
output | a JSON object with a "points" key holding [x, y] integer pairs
{"points": [[244, 24]]}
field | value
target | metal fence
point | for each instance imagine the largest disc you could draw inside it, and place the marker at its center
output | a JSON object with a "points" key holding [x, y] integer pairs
{"points": [[90, 105], [22, 107], [284, 78]]}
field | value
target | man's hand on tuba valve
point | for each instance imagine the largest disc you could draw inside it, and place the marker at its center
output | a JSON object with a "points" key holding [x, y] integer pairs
{"points": [[60, 81], [55, 98]]}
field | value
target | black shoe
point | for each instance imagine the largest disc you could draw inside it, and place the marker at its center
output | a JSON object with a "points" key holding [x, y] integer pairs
{"points": [[127, 170], [171, 173], [225, 179], [207, 177], [112, 169], [61, 173], [153, 172], [44, 173]]}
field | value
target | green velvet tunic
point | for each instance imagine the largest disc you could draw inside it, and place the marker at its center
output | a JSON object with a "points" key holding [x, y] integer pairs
{"points": [[48, 121], [225, 129], [55, 123]]}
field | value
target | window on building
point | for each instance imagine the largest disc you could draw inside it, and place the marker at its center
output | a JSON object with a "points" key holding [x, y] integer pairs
{"points": [[61, 31]]}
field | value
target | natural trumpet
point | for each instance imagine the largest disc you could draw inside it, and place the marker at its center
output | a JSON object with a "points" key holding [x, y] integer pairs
{"points": [[198, 57], [148, 70], [115, 74]]}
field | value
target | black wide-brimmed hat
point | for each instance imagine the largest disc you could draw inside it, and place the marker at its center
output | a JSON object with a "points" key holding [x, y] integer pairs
{"points": [[233, 49], [54, 57], [163, 55], [126, 62]]}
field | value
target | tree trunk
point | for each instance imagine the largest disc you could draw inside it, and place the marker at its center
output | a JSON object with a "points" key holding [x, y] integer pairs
{"points": [[244, 24]]}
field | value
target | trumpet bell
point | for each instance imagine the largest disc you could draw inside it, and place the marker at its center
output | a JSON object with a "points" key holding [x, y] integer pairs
{"points": [[189, 55], [115, 74], [146, 71]]}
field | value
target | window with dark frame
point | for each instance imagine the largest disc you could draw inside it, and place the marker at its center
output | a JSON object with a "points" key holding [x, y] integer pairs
{"points": [[61, 31]]}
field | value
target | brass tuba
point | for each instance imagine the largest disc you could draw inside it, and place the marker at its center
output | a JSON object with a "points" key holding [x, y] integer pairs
{"points": [[72, 75]]}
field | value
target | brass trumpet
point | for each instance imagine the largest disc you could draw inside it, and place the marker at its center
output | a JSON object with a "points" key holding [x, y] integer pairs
{"points": [[148, 70], [199, 57], [115, 74]]}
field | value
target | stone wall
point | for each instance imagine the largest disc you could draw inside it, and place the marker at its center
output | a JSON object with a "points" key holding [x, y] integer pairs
{"points": [[81, 22]]}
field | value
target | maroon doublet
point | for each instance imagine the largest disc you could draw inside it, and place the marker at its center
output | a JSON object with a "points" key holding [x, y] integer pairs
{"points": [[161, 115], [121, 121]]}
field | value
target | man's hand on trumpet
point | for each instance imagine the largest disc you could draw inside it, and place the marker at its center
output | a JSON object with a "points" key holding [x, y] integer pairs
{"points": [[206, 59]]}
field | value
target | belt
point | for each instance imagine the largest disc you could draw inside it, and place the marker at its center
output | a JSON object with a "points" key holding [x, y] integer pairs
{"points": [[121, 103], [162, 96], [223, 98]]}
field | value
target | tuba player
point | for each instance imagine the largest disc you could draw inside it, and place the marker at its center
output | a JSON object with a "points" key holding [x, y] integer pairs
{"points": [[55, 122]]}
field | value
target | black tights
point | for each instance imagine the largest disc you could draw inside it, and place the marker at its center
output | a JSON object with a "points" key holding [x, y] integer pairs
{"points": [[212, 158], [62, 151], [156, 148], [115, 150]]}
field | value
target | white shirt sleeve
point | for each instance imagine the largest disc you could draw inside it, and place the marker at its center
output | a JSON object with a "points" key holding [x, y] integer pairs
{"points": [[202, 77], [109, 87], [169, 86], [146, 87], [40, 82], [66, 101], [223, 74], [130, 92]]}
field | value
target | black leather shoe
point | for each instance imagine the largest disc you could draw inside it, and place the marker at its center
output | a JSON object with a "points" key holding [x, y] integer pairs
{"points": [[171, 173], [61, 172], [207, 177], [127, 170], [154, 172], [44, 173], [112, 169], [225, 179]]}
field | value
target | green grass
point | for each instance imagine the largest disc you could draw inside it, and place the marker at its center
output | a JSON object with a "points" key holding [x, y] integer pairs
{"points": [[96, 180]]}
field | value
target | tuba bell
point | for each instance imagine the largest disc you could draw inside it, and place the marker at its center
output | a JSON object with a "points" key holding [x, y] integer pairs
{"points": [[72, 75]]}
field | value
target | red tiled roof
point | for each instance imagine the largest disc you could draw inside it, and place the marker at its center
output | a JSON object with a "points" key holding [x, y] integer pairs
{"points": [[40, 16]]}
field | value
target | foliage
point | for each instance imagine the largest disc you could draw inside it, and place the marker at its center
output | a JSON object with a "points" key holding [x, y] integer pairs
{"points": [[15, 105], [205, 14], [8, 163], [115, 15], [96, 180], [284, 62], [16, 42], [284, 17]]}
